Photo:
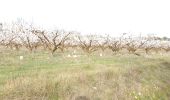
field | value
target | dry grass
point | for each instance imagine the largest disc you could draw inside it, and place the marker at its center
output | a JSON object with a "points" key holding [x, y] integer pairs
{"points": [[119, 77]]}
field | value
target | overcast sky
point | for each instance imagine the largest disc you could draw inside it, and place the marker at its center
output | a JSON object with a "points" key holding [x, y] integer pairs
{"points": [[93, 16]]}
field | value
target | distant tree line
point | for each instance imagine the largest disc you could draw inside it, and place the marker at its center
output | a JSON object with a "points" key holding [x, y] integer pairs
{"points": [[21, 34]]}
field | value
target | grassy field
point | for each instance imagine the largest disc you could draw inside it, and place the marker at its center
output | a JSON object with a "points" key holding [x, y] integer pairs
{"points": [[40, 76]]}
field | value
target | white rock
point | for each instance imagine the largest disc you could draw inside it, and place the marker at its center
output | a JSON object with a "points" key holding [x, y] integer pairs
{"points": [[21, 57], [95, 88]]}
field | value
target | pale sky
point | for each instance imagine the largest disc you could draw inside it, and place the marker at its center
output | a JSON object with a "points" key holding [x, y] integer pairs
{"points": [[93, 16]]}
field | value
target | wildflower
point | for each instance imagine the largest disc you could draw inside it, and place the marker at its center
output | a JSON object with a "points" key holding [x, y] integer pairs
{"points": [[101, 55], [74, 56], [68, 56], [21, 57], [139, 93]]}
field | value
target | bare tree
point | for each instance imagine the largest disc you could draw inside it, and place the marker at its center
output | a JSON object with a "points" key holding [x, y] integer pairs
{"points": [[102, 42], [2, 39], [52, 40], [157, 46], [29, 43], [25, 35], [166, 46], [88, 43], [148, 44], [133, 44], [115, 45], [9, 39]]}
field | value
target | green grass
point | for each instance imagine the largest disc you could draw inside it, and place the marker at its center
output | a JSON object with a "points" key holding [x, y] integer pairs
{"points": [[40, 76]]}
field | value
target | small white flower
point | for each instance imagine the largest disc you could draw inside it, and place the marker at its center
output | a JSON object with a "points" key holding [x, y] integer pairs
{"points": [[101, 55], [136, 97], [139, 93], [74, 56], [69, 56], [21, 57]]}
